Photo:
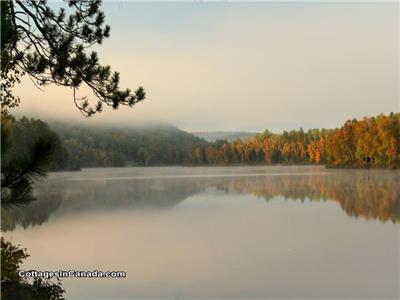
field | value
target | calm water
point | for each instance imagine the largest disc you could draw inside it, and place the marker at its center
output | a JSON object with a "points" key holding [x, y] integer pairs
{"points": [[218, 232]]}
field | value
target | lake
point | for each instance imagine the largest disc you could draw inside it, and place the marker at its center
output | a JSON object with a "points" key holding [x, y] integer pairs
{"points": [[217, 232]]}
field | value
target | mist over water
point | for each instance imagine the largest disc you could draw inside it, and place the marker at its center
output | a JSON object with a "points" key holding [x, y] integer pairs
{"points": [[217, 232]]}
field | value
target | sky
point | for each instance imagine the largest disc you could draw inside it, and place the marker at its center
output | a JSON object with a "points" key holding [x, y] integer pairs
{"points": [[242, 66]]}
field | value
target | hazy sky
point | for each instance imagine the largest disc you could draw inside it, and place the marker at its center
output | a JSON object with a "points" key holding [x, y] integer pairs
{"points": [[243, 66]]}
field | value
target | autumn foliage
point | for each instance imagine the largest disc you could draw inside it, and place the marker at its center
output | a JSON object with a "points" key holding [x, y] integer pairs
{"points": [[370, 142]]}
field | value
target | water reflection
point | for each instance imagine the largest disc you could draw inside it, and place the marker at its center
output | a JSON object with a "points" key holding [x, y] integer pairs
{"points": [[217, 233], [372, 194], [369, 194]]}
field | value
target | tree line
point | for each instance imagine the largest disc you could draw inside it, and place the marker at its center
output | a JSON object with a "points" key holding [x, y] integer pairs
{"points": [[369, 142], [74, 146], [152, 145]]}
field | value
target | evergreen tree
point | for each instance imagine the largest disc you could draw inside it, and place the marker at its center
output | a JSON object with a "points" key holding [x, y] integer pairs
{"points": [[51, 47]]}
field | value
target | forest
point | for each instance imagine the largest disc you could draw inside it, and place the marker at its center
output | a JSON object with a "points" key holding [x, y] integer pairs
{"points": [[369, 142], [76, 146]]}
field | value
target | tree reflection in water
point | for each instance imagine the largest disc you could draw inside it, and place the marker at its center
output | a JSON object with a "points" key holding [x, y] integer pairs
{"points": [[371, 194]]}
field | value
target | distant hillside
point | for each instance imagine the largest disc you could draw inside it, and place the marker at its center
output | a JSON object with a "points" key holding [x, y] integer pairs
{"points": [[142, 146], [230, 136]]}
